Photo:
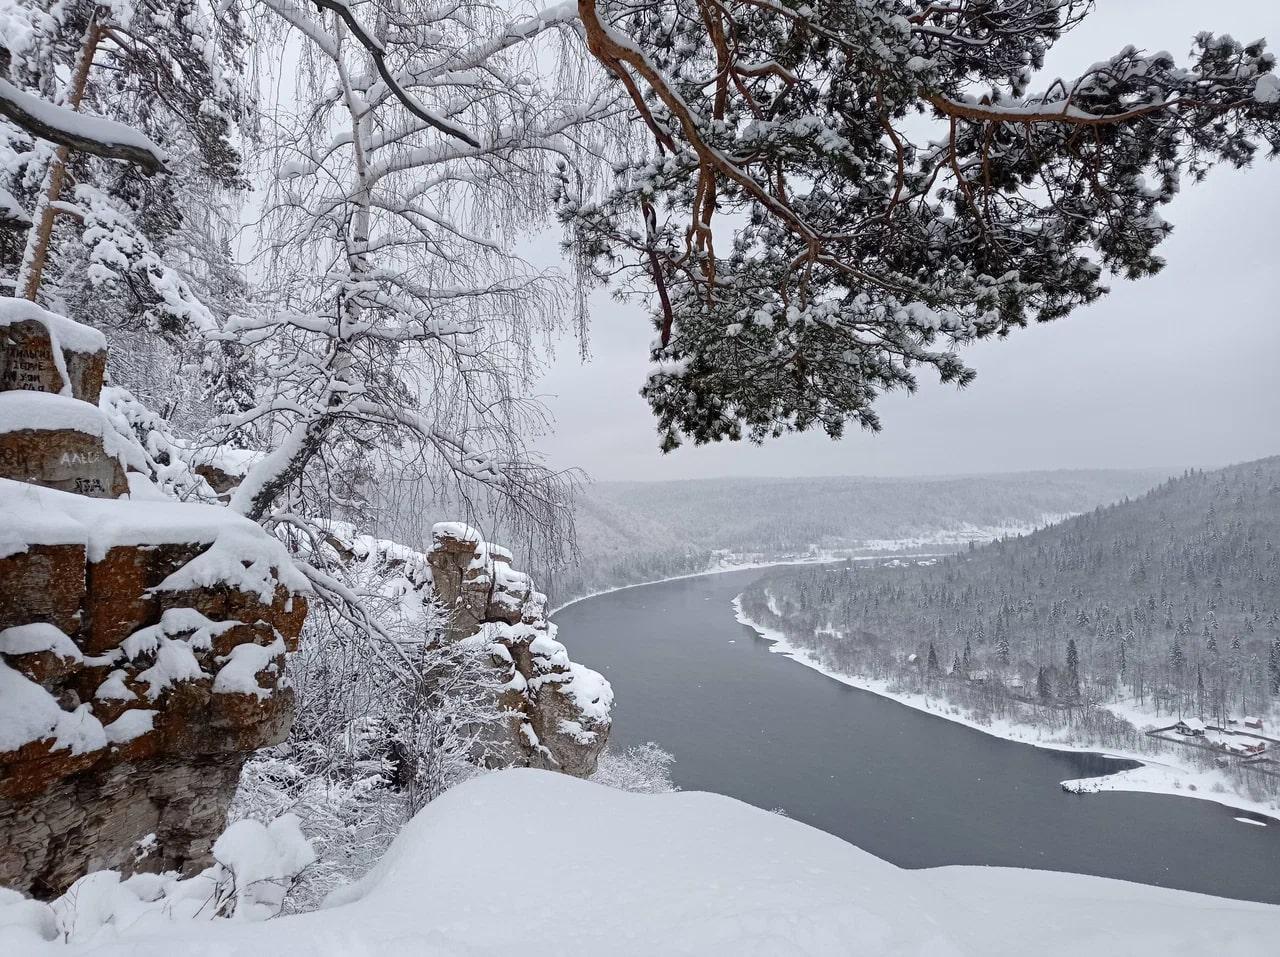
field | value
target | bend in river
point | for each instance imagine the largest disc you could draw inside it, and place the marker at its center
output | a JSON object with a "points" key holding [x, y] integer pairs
{"points": [[911, 788]]}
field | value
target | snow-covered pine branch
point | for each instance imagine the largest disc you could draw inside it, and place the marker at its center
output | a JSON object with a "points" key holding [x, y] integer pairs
{"points": [[78, 131], [872, 249]]}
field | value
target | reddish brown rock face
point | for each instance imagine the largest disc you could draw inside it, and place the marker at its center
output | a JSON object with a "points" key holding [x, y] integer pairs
{"points": [[27, 362], [174, 780], [152, 707], [63, 459], [43, 583]]}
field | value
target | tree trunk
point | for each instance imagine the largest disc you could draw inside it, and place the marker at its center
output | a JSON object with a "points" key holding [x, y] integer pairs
{"points": [[37, 251]]}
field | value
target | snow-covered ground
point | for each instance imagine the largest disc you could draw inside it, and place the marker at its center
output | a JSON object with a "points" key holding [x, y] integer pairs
{"points": [[537, 863], [1158, 775]]}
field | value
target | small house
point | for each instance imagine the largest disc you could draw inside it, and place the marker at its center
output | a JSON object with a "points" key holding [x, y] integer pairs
{"points": [[1191, 727], [1246, 750], [1253, 722]]}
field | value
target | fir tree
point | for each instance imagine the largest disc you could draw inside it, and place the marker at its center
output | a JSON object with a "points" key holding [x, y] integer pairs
{"points": [[1273, 665], [1042, 684], [1073, 670]]}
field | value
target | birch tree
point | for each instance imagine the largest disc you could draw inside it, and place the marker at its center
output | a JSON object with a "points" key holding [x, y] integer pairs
{"points": [[422, 140]]}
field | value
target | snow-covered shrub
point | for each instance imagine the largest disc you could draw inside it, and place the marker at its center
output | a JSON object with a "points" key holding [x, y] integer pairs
{"points": [[642, 768], [168, 458], [254, 866]]}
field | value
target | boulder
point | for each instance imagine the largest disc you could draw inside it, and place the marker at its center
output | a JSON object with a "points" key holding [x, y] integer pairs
{"points": [[63, 443]]}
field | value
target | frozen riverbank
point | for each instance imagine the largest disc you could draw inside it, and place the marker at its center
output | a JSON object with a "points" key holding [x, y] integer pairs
{"points": [[1162, 774]]}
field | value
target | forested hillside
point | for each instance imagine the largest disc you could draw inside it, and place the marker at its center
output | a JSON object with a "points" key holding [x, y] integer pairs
{"points": [[638, 531], [1164, 605]]}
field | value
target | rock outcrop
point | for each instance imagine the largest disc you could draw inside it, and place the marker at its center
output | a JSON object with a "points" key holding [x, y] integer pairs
{"points": [[558, 711], [142, 640]]}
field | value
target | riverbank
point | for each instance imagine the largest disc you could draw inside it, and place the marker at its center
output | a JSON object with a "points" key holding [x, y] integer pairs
{"points": [[723, 569], [1154, 776]]}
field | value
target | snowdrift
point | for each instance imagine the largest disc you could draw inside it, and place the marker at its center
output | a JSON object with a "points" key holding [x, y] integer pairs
{"points": [[539, 863]]}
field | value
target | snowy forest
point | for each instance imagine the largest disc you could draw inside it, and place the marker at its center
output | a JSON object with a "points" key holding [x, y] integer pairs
{"points": [[1165, 606], [276, 297]]}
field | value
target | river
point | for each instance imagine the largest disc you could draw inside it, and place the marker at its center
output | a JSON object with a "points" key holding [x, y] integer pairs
{"points": [[911, 788]]}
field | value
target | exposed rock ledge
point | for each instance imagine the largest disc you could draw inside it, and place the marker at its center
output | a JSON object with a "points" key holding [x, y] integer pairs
{"points": [[558, 712]]}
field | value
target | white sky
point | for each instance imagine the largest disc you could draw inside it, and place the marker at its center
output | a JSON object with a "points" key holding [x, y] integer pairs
{"points": [[1179, 369]]}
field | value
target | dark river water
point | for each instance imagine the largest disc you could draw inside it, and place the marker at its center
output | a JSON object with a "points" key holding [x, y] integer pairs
{"points": [[914, 789]]}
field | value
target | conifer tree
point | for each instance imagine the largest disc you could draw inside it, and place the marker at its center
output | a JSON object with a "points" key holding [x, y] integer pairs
{"points": [[1073, 669], [901, 191], [1042, 684]]}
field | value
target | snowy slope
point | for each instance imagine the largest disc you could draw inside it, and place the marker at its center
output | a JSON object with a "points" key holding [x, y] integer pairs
{"points": [[536, 863]]}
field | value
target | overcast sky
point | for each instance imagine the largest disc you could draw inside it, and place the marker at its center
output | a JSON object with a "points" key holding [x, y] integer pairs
{"points": [[1179, 369]]}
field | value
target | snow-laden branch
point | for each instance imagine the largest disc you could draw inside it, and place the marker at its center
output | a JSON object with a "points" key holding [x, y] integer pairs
{"points": [[373, 46], [77, 131]]}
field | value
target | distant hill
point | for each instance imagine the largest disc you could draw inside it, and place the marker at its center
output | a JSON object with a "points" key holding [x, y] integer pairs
{"points": [[1171, 601], [636, 531]]}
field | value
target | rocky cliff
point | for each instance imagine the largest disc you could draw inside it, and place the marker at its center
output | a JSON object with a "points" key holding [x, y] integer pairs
{"points": [[559, 710], [556, 712], [142, 640]]}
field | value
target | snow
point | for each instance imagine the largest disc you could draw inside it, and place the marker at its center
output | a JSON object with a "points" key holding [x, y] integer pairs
{"points": [[132, 724], [114, 688], [175, 639], [11, 211], [227, 459], [239, 673], [81, 125], [1267, 89], [458, 531], [263, 860], [1156, 776], [36, 637], [240, 553], [591, 693], [175, 621], [63, 332], [175, 662], [27, 712], [254, 865], [683, 873], [24, 409]]}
